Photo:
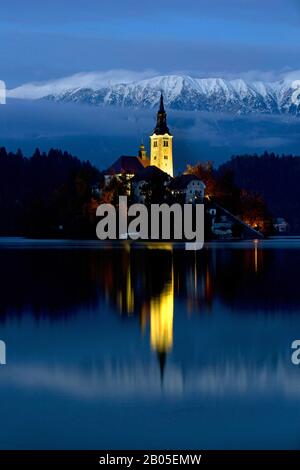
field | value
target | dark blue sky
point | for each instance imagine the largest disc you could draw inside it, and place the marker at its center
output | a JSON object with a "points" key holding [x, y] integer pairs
{"points": [[45, 40]]}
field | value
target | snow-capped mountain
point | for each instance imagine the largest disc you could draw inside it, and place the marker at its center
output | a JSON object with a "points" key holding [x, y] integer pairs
{"points": [[180, 92]]}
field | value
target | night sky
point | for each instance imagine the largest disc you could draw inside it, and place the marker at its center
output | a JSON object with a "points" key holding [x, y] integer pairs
{"points": [[249, 38]]}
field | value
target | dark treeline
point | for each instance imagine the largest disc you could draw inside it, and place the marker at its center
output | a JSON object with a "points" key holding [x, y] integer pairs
{"points": [[275, 177], [53, 194], [46, 194]]}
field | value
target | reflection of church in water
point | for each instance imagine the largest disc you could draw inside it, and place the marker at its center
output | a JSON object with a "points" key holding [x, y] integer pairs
{"points": [[148, 281], [150, 293], [156, 308]]}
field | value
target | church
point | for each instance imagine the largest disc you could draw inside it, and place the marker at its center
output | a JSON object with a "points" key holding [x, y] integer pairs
{"points": [[161, 154], [140, 170]]}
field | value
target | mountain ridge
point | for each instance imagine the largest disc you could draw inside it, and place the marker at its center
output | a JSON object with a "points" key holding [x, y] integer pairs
{"points": [[182, 92]]}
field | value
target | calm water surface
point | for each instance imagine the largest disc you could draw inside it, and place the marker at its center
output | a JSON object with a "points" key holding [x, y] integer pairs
{"points": [[149, 346]]}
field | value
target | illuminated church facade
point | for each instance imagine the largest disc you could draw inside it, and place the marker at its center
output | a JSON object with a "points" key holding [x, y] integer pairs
{"points": [[161, 140], [161, 153], [141, 170]]}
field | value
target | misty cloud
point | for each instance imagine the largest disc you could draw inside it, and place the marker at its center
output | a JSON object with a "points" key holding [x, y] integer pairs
{"points": [[102, 134]]}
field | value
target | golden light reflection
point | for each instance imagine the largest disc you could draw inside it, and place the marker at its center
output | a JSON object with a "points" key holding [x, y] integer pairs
{"points": [[129, 293], [161, 319], [125, 293], [256, 266]]}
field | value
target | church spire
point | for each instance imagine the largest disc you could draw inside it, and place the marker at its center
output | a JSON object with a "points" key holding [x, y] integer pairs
{"points": [[161, 142], [161, 104], [161, 121]]}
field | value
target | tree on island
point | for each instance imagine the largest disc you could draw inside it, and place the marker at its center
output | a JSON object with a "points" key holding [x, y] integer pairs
{"points": [[116, 187], [221, 187], [46, 195]]}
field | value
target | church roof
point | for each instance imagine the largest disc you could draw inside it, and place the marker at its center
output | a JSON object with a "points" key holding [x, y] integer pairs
{"points": [[146, 174], [126, 164], [161, 120], [181, 182]]}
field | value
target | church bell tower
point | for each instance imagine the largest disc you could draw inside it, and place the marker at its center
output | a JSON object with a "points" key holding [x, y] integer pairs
{"points": [[161, 142]]}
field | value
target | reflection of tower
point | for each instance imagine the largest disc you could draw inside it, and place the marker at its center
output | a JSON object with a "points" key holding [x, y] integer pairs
{"points": [[125, 291], [161, 323]]}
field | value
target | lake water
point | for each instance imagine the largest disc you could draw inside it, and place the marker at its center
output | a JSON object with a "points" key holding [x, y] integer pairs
{"points": [[149, 346]]}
